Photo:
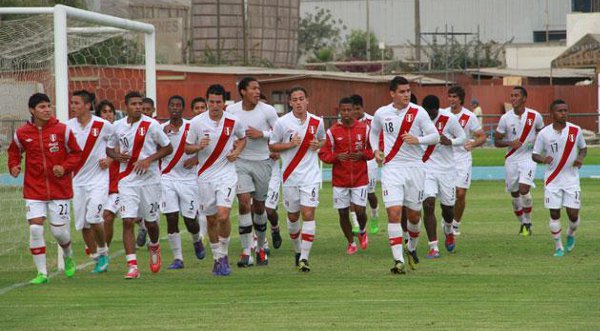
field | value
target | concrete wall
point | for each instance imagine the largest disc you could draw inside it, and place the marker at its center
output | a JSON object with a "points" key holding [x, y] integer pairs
{"points": [[531, 56], [580, 24]]}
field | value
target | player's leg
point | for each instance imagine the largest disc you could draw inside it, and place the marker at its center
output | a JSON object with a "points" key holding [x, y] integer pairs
{"points": [[36, 215], [309, 200], [129, 208], [413, 202], [261, 175], [142, 233], [353, 220], [291, 202], [527, 203], [431, 192], [463, 183], [572, 203], [59, 212], [80, 205], [271, 205], [91, 249], [359, 202], [150, 213], [225, 193], [208, 207], [341, 202], [111, 207], [169, 206], [188, 195], [393, 195], [245, 229], [553, 202], [373, 203], [95, 223], [526, 178]]}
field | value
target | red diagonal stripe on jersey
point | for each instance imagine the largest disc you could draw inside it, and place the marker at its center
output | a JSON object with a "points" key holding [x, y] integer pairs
{"points": [[463, 120], [529, 121], [179, 152], [138, 143], [308, 136], [440, 125], [571, 138], [407, 122], [220, 147], [89, 144]]}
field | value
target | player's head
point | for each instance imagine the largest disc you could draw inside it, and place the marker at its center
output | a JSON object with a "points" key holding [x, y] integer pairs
{"points": [[474, 102], [518, 97], [215, 97], [106, 110], [456, 96], [133, 104], [559, 111], [400, 91], [298, 99], [198, 106], [345, 110], [357, 106], [39, 107], [81, 103], [413, 99], [431, 103], [249, 90], [176, 106], [148, 107]]}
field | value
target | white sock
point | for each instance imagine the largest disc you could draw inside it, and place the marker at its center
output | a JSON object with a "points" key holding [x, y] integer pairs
{"points": [[175, 243], [572, 228], [414, 230], [37, 246], [455, 224], [308, 235], [103, 250], [433, 245], [294, 231], [216, 250], [518, 208], [353, 219], [196, 237], [527, 203], [555, 229], [203, 226], [245, 230], [405, 235], [224, 242], [131, 260], [448, 228], [374, 212], [62, 234], [395, 238], [260, 229]]}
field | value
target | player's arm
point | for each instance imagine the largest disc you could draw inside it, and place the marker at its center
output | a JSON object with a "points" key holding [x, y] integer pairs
{"points": [[538, 149], [367, 150], [238, 147], [457, 132], [582, 150], [192, 145], [164, 148], [319, 138], [326, 153], [479, 139], [374, 137], [500, 135], [73, 156], [276, 142], [430, 134], [15, 156]]}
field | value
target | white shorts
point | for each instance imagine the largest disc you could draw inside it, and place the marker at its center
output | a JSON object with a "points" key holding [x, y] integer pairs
{"points": [[521, 172], [463, 174], [296, 196], [440, 185], [403, 187], [372, 179], [342, 196], [57, 210], [88, 204], [556, 198], [217, 193], [140, 201], [112, 203], [273, 192], [180, 196]]}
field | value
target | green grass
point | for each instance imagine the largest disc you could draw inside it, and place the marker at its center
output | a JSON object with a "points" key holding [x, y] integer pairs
{"points": [[495, 280], [489, 156]]}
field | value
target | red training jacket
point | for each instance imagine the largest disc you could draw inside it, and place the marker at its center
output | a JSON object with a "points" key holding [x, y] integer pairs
{"points": [[44, 148], [341, 139]]}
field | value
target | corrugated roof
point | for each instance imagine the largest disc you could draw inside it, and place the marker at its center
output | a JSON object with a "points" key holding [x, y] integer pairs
{"points": [[585, 53]]}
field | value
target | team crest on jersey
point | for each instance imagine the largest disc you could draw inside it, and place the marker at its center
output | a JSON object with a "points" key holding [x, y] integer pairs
{"points": [[227, 131], [359, 137], [529, 121], [53, 137], [440, 126], [463, 123], [572, 137], [141, 132], [409, 118], [95, 132], [311, 128]]}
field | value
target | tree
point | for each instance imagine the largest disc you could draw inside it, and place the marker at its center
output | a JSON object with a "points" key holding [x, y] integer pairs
{"points": [[319, 34], [356, 46]]}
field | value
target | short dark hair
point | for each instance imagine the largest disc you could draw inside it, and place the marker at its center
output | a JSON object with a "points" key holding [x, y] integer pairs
{"points": [[88, 97], [37, 98], [296, 89], [132, 94], [413, 98], [216, 89], [177, 97], [556, 103], [522, 90], [431, 102], [263, 97], [243, 84], [459, 91], [102, 104], [397, 81], [198, 99], [346, 101], [357, 100], [148, 100]]}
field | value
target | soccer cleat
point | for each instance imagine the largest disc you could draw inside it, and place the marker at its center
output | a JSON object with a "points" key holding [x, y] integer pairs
{"points": [[224, 269], [245, 261], [363, 240], [351, 249], [176, 264], [216, 268], [398, 268], [101, 264], [433, 254], [521, 229], [456, 229], [199, 250], [132, 272], [373, 226], [141, 237], [413, 259], [39, 279], [266, 248], [570, 243], [155, 260], [526, 230], [303, 266], [276, 237], [262, 258], [450, 243], [559, 252], [297, 259], [70, 266]]}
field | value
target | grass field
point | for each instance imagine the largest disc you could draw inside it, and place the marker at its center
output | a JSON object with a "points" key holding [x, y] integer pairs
{"points": [[495, 280]]}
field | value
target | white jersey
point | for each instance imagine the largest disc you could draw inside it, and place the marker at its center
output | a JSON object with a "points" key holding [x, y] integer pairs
{"points": [[97, 131], [440, 158], [470, 124], [512, 126], [549, 142], [176, 171], [389, 120], [213, 163], [368, 119], [304, 170], [127, 136], [262, 118]]}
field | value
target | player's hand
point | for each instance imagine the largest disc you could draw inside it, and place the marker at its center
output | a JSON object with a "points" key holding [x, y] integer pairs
{"points": [[296, 140], [469, 145], [233, 156], [549, 159], [252, 133], [578, 163], [379, 157], [274, 156], [204, 142], [141, 166], [58, 171], [445, 140], [123, 158], [15, 171], [515, 144], [410, 139], [343, 156], [190, 163], [357, 156], [105, 163], [315, 144], [170, 128]]}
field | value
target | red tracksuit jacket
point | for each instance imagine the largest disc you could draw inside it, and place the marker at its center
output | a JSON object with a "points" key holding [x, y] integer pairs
{"points": [[44, 148], [341, 139]]}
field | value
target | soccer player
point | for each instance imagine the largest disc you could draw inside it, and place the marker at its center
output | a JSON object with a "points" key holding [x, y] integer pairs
{"points": [[475, 137], [148, 107], [179, 188], [91, 176], [362, 116], [405, 126], [561, 146], [253, 169], [51, 154], [347, 148], [517, 130], [273, 199], [297, 136], [212, 135], [141, 142], [198, 106], [439, 163]]}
